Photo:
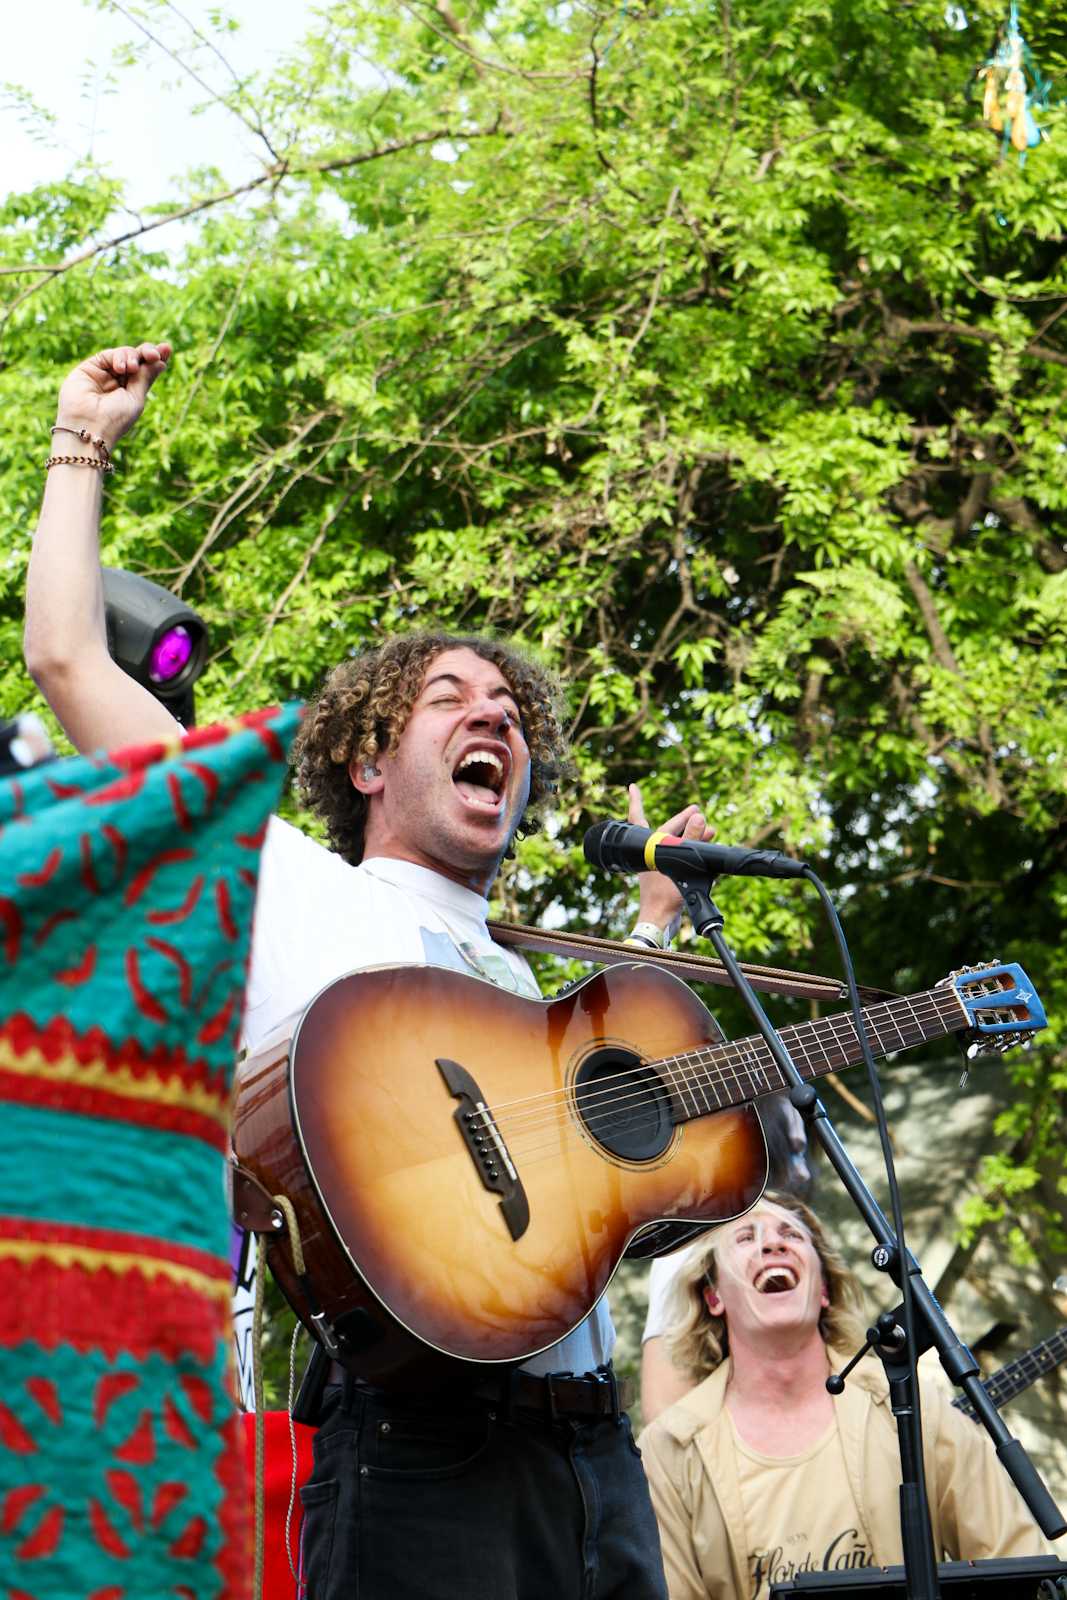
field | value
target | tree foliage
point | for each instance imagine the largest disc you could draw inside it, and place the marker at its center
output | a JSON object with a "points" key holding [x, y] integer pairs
{"points": [[715, 350]]}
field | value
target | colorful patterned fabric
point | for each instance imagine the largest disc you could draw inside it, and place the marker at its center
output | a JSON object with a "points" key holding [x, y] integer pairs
{"points": [[126, 891]]}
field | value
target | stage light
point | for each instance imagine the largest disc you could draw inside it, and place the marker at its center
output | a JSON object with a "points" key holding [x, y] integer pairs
{"points": [[170, 655], [156, 638]]}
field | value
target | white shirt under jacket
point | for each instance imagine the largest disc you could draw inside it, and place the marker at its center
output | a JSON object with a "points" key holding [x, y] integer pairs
{"points": [[318, 918]]}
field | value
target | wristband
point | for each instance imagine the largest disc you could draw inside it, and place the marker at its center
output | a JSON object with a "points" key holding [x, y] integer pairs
{"points": [[650, 934], [105, 463]]}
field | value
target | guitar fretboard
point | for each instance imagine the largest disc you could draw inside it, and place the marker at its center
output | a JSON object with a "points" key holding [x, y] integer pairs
{"points": [[741, 1070], [1008, 1381]]}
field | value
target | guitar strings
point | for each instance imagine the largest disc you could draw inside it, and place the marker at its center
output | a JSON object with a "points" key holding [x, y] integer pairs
{"points": [[755, 1043], [698, 1070], [637, 1100], [692, 1081], [567, 1134], [913, 1008], [690, 1075], [695, 1084]]}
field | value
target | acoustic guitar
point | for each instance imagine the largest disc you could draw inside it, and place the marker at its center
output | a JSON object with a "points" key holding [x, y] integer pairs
{"points": [[468, 1167]]}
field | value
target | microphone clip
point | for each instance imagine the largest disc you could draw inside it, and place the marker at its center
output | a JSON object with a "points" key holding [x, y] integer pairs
{"points": [[887, 1339], [703, 912]]}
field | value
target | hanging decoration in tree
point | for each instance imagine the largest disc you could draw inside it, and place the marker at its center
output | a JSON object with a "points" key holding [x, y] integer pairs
{"points": [[1014, 86]]}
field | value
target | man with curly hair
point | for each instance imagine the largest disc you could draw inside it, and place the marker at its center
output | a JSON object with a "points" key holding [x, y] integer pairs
{"points": [[422, 757], [758, 1473]]}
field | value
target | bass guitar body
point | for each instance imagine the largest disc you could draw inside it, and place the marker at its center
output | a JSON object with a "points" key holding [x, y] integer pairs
{"points": [[468, 1166]]}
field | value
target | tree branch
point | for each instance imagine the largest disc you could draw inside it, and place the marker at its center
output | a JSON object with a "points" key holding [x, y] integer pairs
{"points": [[253, 127], [275, 173], [457, 41], [294, 583], [236, 503], [945, 656], [943, 652], [217, 345], [902, 326]]}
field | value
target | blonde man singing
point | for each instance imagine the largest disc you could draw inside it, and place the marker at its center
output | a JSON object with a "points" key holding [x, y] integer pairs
{"points": [[757, 1473]]}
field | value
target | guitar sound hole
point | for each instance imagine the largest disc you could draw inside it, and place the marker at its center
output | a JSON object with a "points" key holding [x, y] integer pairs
{"points": [[624, 1105]]}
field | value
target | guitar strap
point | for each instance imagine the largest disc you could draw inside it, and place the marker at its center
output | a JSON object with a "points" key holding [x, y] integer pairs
{"points": [[698, 969]]}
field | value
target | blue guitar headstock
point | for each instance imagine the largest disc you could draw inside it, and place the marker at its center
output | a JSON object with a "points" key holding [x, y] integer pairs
{"points": [[1001, 1004]]}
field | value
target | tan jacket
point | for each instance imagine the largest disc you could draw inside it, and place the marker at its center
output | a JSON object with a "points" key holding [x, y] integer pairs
{"points": [[689, 1458]]}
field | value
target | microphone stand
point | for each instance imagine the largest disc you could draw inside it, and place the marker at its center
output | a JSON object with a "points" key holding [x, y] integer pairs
{"points": [[888, 1339]]}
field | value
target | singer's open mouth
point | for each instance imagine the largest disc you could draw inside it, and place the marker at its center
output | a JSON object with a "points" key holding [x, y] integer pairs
{"points": [[776, 1279], [481, 775]]}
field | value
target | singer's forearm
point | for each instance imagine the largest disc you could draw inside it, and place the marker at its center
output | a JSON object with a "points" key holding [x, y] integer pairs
{"points": [[66, 638], [64, 596]]}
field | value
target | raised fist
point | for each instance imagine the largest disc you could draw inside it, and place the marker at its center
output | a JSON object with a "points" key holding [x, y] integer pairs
{"points": [[107, 393]]}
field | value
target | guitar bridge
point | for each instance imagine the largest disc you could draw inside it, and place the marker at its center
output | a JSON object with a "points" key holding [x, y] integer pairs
{"points": [[486, 1146]]}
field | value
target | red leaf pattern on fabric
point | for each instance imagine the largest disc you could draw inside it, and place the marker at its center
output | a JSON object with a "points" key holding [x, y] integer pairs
{"points": [[140, 1448], [46, 1395], [127, 1491], [45, 1537], [108, 1389], [37, 880], [143, 999], [107, 1535], [143, 878], [81, 973], [17, 1502]]}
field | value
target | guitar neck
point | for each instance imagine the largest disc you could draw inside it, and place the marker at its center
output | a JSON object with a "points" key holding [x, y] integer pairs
{"points": [[1008, 1381], [730, 1074]]}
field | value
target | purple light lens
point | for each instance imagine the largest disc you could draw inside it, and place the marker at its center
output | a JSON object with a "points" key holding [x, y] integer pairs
{"points": [[170, 655]]}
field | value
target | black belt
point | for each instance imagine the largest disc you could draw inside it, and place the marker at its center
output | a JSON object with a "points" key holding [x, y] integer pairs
{"points": [[558, 1394]]}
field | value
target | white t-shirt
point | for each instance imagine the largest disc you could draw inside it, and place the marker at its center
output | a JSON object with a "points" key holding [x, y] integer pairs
{"points": [[318, 918]]}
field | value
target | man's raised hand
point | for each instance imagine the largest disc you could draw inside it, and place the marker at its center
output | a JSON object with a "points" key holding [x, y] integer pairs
{"points": [[107, 393], [660, 899]]}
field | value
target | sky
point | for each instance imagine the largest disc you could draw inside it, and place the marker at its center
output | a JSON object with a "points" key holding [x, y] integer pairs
{"points": [[141, 126]]}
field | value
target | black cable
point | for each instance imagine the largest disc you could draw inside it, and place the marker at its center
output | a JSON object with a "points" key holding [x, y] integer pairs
{"points": [[907, 1309]]}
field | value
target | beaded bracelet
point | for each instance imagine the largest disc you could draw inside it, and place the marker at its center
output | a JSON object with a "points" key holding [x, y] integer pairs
{"points": [[79, 461], [86, 438]]}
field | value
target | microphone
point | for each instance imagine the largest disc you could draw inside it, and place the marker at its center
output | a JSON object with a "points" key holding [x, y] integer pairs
{"points": [[623, 847]]}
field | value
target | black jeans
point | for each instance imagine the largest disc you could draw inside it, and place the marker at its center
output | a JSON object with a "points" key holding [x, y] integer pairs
{"points": [[410, 1500]]}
